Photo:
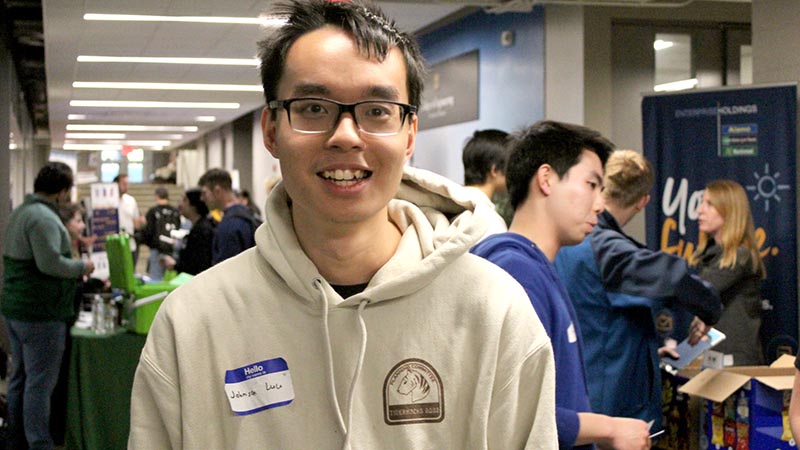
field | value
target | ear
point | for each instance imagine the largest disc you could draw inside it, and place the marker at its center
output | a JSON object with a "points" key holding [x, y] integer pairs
{"points": [[269, 128], [412, 136], [544, 178], [642, 202]]}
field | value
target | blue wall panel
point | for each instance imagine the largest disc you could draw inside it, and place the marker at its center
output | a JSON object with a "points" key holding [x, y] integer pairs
{"points": [[511, 81]]}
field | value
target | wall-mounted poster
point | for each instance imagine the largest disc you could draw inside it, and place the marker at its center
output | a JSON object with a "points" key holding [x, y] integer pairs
{"points": [[451, 92], [748, 135]]}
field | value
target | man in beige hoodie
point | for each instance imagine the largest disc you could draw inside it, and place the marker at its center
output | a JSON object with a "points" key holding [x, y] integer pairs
{"points": [[359, 320]]}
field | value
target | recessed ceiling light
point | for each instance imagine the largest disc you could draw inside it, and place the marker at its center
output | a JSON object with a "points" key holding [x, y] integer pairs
{"points": [[205, 119], [676, 85], [660, 44], [168, 86], [76, 116], [151, 104], [83, 127], [94, 136], [171, 60]]}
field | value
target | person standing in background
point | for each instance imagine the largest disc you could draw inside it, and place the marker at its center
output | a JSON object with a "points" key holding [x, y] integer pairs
{"points": [[40, 279], [195, 253], [360, 301], [130, 219], [727, 257], [161, 219], [484, 158], [617, 285], [235, 232], [555, 180]]}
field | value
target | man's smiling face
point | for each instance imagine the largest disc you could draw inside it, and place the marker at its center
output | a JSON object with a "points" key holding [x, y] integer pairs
{"points": [[341, 176]]}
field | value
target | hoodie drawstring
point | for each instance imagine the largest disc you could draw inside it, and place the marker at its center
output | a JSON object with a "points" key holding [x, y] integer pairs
{"points": [[359, 365], [362, 352], [331, 380]]}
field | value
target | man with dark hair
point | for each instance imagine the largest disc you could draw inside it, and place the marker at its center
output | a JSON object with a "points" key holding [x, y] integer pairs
{"points": [[484, 159], [161, 220], [39, 285], [617, 285], [236, 232], [360, 321], [195, 253], [555, 179]]}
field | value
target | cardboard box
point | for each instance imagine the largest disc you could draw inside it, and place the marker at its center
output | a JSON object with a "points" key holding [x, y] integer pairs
{"points": [[747, 407]]}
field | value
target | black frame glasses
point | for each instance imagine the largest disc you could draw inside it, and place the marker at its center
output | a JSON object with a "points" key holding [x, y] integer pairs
{"points": [[406, 110]]}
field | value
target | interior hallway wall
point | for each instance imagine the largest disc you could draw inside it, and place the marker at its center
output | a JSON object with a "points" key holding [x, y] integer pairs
{"points": [[511, 82]]}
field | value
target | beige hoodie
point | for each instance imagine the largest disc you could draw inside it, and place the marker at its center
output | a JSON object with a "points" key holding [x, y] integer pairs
{"points": [[442, 350]]}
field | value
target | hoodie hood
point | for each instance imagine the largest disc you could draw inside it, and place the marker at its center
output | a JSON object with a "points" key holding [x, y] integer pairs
{"points": [[440, 220]]}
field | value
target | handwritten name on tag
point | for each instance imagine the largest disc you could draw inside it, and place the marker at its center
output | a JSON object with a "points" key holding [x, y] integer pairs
{"points": [[259, 386]]}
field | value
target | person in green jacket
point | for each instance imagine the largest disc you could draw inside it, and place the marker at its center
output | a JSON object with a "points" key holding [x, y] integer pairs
{"points": [[39, 283]]}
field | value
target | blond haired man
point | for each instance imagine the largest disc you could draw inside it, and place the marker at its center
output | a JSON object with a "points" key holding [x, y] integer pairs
{"points": [[615, 284]]}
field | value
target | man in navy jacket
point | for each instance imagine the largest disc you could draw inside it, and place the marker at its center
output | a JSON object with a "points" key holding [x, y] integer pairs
{"points": [[616, 285]]}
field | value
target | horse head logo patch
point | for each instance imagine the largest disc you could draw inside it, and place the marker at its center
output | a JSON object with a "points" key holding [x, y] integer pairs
{"points": [[412, 393]]}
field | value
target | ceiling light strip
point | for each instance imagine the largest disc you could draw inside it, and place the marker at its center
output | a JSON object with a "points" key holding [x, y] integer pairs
{"points": [[167, 86], [170, 60], [96, 127], [266, 21], [94, 136], [194, 19], [151, 104]]}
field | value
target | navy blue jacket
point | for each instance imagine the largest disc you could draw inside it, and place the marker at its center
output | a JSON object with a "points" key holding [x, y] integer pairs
{"points": [[530, 267], [616, 284], [234, 234]]}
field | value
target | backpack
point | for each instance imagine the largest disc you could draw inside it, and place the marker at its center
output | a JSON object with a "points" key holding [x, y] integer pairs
{"points": [[164, 219]]}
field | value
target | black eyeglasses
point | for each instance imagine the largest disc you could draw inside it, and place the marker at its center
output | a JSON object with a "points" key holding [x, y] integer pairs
{"points": [[320, 115]]}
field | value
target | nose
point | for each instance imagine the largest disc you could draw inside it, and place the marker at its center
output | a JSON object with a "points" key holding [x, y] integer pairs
{"points": [[345, 134], [599, 203]]}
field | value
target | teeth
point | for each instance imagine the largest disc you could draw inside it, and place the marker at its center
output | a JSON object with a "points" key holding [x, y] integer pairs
{"points": [[344, 175]]}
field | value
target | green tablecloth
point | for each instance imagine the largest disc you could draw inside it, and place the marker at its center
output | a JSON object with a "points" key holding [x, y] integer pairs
{"points": [[99, 393]]}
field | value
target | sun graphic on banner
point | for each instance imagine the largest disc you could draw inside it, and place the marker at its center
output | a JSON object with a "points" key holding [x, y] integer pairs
{"points": [[767, 187]]}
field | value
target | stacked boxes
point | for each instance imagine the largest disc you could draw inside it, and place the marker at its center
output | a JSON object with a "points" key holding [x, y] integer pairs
{"points": [[746, 407]]}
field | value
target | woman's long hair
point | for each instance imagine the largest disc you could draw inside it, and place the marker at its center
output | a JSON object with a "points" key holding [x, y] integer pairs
{"points": [[730, 200]]}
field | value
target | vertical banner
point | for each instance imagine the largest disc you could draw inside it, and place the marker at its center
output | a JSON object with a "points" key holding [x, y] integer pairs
{"points": [[747, 135], [104, 203]]}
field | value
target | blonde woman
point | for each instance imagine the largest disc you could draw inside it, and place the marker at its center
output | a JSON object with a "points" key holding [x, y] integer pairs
{"points": [[727, 257]]}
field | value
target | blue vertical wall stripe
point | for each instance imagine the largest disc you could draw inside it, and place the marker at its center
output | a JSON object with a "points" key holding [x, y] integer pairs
{"points": [[511, 81]]}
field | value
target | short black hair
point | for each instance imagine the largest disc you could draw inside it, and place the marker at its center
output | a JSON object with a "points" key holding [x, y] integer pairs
{"points": [[548, 142], [162, 193], [193, 195], [119, 176], [216, 177], [484, 150], [373, 31], [53, 178]]}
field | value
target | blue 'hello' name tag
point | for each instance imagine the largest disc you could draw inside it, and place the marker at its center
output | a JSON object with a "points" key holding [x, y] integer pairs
{"points": [[259, 386]]}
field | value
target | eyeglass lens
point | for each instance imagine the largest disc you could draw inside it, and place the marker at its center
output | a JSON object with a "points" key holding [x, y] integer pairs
{"points": [[316, 115]]}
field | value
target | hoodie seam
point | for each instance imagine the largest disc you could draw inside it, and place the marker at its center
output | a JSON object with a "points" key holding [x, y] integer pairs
{"points": [[531, 352], [158, 371]]}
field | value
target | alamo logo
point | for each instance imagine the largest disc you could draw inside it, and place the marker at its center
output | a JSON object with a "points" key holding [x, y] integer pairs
{"points": [[412, 393]]}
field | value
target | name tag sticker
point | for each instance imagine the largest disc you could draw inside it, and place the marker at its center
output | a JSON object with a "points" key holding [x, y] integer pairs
{"points": [[259, 386], [572, 336]]}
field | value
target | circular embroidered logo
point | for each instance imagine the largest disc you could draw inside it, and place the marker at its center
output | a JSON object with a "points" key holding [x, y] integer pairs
{"points": [[412, 393]]}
